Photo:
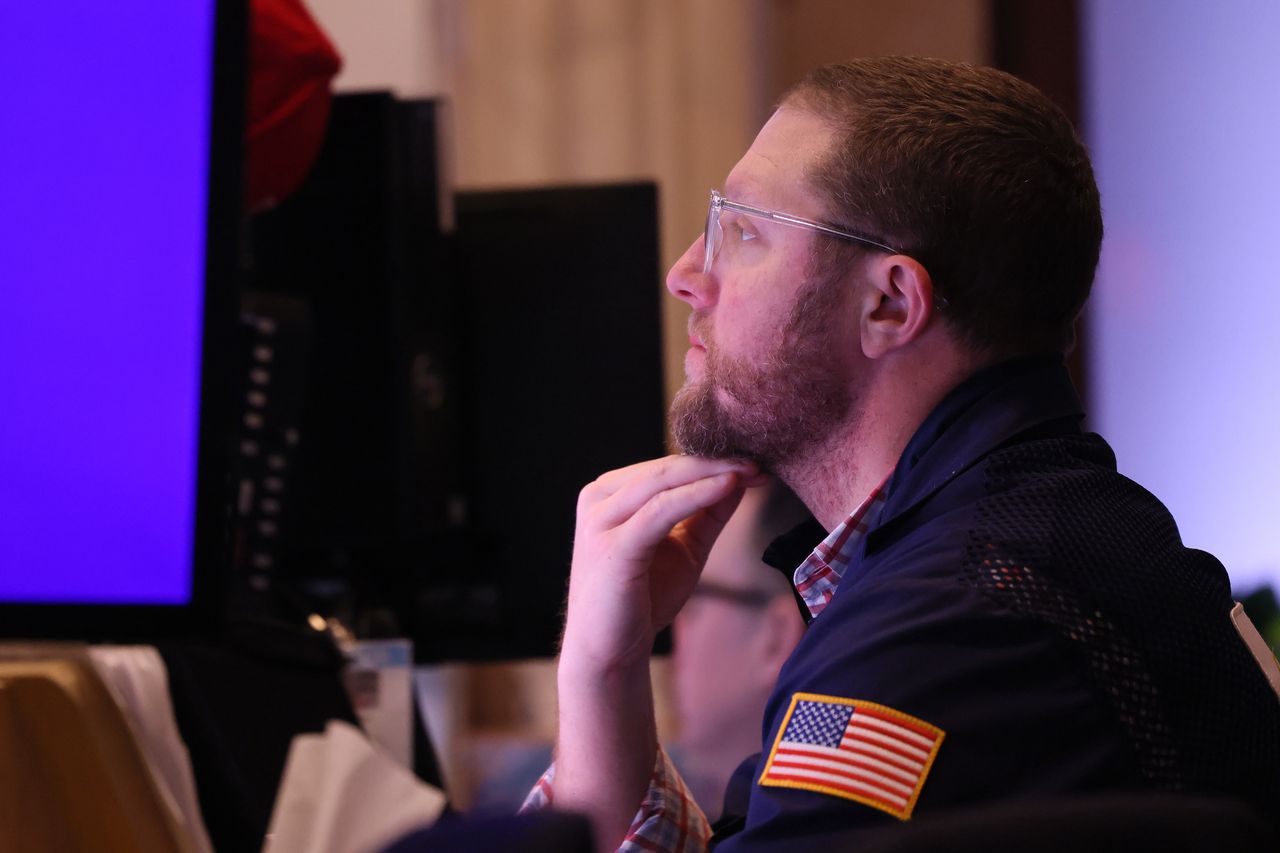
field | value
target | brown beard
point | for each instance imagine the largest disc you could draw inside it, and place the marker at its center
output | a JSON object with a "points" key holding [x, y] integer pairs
{"points": [[782, 406]]}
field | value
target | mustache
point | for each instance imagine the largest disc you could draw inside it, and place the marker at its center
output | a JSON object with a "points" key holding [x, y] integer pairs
{"points": [[699, 327]]}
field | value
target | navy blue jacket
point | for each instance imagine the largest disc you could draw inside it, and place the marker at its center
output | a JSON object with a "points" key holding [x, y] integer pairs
{"points": [[1040, 609]]}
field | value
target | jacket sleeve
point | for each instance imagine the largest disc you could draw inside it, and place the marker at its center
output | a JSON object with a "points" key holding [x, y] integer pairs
{"points": [[912, 696]]}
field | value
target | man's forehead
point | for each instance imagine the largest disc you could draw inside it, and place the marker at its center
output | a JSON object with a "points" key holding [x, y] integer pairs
{"points": [[774, 171]]}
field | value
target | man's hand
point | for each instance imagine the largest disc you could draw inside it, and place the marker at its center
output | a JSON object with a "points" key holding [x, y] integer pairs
{"points": [[643, 535]]}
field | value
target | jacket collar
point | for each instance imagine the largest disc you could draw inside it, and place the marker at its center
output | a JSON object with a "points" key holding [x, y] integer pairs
{"points": [[989, 409], [791, 549]]}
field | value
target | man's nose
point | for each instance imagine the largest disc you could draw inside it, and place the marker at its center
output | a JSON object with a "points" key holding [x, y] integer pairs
{"points": [[687, 282]]}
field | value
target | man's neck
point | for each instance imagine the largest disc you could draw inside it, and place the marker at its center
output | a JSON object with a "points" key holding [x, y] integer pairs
{"points": [[834, 476]]}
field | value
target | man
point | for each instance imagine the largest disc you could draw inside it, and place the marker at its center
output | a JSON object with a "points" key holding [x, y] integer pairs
{"points": [[730, 640], [880, 305]]}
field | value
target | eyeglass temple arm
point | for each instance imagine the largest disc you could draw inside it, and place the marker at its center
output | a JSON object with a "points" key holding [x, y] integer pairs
{"points": [[797, 222]]}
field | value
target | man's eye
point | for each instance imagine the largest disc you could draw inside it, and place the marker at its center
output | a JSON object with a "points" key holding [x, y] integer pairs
{"points": [[740, 234]]}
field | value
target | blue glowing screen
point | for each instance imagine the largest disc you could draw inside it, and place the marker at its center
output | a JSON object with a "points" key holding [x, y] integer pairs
{"points": [[104, 145]]}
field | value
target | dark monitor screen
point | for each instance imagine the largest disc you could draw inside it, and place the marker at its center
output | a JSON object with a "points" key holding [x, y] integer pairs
{"points": [[119, 160], [560, 346]]}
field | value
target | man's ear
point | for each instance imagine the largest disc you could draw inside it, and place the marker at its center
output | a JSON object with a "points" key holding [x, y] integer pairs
{"points": [[896, 305]]}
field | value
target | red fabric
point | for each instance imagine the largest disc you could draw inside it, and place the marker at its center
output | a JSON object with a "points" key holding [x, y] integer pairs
{"points": [[291, 63], [668, 821], [818, 576]]}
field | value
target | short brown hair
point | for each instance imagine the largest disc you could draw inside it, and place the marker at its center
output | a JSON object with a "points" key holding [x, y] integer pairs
{"points": [[978, 176]]}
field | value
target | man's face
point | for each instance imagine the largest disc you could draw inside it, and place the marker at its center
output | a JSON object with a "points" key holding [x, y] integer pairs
{"points": [[767, 375]]}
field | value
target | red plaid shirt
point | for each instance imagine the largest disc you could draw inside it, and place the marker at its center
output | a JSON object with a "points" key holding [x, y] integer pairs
{"points": [[669, 821], [819, 575]]}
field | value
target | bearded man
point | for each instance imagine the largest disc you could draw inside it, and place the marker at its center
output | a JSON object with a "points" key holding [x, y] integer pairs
{"points": [[881, 302]]}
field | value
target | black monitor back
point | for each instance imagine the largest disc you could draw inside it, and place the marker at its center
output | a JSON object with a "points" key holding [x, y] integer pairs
{"points": [[438, 401], [561, 379]]}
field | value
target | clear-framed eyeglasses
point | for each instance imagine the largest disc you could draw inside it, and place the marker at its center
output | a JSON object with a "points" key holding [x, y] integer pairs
{"points": [[714, 236]]}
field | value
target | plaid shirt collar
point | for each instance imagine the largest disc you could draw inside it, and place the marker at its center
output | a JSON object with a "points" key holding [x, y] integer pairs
{"points": [[818, 576]]}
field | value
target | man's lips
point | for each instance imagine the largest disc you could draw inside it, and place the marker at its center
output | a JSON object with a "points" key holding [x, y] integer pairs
{"points": [[696, 342]]}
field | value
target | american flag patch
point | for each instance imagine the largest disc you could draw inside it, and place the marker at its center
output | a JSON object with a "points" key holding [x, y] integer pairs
{"points": [[857, 750]]}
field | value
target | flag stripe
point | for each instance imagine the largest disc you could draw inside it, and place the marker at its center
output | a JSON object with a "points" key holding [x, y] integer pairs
{"points": [[857, 733], [851, 771], [849, 756], [896, 728], [841, 783], [870, 749]]}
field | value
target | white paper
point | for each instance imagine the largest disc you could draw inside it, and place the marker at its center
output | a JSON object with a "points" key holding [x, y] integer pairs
{"points": [[139, 682], [342, 794]]}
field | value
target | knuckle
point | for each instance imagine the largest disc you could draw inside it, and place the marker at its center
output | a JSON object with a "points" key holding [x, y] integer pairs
{"points": [[590, 492]]}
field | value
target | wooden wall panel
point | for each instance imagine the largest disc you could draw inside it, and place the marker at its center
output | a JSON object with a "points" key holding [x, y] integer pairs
{"points": [[556, 91], [803, 34]]}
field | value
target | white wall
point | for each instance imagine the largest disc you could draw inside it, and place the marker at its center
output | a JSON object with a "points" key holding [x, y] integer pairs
{"points": [[1183, 119], [407, 46]]}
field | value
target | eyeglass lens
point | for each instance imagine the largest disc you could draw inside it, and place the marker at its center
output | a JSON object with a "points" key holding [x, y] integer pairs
{"points": [[711, 235]]}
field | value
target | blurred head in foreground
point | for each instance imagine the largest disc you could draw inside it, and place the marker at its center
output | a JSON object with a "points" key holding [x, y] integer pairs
{"points": [[730, 641]]}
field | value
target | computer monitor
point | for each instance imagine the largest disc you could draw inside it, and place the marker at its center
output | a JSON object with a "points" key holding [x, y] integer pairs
{"points": [[560, 378], [120, 163]]}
